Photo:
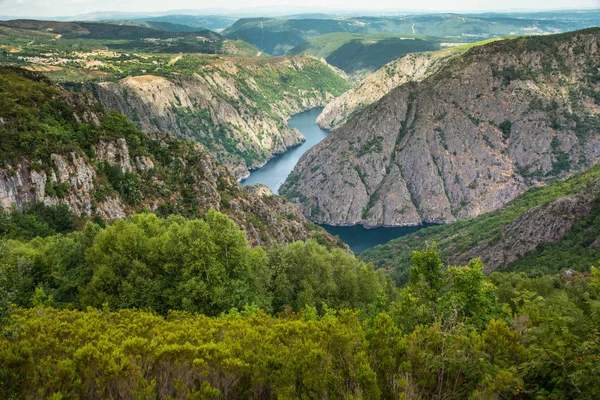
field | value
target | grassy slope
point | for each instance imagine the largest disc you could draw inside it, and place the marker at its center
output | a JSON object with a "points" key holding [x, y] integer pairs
{"points": [[459, 236], [352, 52]]}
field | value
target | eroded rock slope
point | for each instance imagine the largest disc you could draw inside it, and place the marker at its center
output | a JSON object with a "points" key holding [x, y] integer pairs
{"points": [[62, 148], [491, 123], [237, 107]]}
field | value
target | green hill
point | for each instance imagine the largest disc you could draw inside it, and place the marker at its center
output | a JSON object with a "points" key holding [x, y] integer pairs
{"points": [[32, 37], [278, 35], [549, 229], [97, 30], [354, 52], [157, 25]]}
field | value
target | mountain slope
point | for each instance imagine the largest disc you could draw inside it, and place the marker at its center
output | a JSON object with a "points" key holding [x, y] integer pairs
{"points": [[489, 124], [551, 228], [69, 37], [362, 53], [409, 68], [237, 107], [62, 148]]}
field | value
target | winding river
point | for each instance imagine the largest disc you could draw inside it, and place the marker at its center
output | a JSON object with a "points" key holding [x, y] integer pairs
{"points": [[274, 173]]}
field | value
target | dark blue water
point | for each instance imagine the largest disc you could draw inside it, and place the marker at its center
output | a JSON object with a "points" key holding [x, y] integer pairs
{"points": [[360, 239], [274, 173]]}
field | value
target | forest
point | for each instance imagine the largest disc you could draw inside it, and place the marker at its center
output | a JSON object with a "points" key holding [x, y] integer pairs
{"points": [[152, 307]]}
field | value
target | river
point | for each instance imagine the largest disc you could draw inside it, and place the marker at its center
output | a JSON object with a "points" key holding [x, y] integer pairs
{"points": [[274, 173], [278, 168]]}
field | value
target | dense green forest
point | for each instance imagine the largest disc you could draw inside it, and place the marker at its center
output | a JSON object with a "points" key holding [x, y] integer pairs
{"points": [[175, 308], [203, 266]]}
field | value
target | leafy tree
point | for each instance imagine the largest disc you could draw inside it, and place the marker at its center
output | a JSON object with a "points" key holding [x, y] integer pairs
{"points": [[469, 295], [426, 273]]}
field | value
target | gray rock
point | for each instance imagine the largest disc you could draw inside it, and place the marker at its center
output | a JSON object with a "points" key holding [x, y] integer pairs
{"points": [[210, 107], [434, 151]]}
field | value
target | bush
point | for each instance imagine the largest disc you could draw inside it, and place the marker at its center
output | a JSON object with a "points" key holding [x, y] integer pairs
{"points": [[506, 128]]}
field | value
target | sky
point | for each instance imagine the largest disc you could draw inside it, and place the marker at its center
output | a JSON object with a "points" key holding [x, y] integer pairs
{"points": [[49, 8]]}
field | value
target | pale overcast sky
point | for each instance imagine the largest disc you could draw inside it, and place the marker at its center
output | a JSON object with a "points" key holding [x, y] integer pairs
{"points": [[50, 8]]}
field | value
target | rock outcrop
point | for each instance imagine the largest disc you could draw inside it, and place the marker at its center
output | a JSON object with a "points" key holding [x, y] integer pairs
{"points": [[489, 124], [117, 176], [237, 107], [412, 67], [541, 225]]}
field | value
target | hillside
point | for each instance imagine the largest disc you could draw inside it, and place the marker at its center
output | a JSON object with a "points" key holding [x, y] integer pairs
{"points": [[33, 38], [95, 30], [62, 148], [547, 229], [278, 35], [363, 53], [237, 107], [502, 118], [157, 25], [409, 68]]}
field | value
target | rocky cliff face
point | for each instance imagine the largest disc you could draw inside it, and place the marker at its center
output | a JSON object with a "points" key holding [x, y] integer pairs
{"points": [[556, 224], [488, 125], [237, 107], [265, 218], [117, 176], [409, 68], [541, 225]]}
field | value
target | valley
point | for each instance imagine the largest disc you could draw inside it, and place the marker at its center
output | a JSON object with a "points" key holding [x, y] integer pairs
{"points": [[234, 103], [360, 54], [276, 170], [286, 202]]}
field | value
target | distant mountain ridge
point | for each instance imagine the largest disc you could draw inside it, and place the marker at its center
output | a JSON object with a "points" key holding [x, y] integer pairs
{"points": [[279, 35]]}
